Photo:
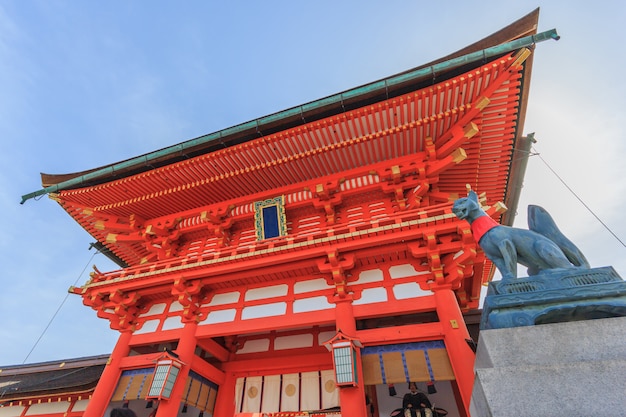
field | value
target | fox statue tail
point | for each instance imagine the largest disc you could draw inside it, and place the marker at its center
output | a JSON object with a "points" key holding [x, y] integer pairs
{"points": [[540, 221]]}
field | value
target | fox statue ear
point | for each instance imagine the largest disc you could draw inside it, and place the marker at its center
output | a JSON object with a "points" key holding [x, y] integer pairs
{"points": [[472, 196]]}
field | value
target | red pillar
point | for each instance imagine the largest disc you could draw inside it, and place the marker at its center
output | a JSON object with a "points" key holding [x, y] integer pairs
{"points": [[225, 401], [352, 399], [108, 380], [185, 351], [455, 338]]}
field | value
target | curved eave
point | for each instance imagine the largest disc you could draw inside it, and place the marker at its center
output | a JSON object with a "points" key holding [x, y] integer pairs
{"points": [[518, 34], [53, 379], [359, 143], [349, 133]]}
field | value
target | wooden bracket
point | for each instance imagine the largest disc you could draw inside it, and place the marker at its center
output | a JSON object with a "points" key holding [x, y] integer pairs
{"points": [[337, 266], [191, 295], [219, 223], [120, 308], [327, 197], [160, 238]]}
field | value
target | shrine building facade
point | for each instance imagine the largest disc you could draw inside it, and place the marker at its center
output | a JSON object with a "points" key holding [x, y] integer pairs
{"points": [[308, 262]]}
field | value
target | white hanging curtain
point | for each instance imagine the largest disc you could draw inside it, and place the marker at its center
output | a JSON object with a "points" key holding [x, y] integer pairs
{"points": [[252, 394], [310, 391], [290, 393], [330, 393], [239, 393], [306, 391], [271, 394]]}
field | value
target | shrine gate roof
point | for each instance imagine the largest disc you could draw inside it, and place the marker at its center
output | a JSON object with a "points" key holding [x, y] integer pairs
{"points": [[483, 87], [385, 100], [55, 379]]}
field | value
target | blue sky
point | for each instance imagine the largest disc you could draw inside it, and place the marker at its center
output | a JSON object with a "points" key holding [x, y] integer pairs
{"points": [[88, 83]]}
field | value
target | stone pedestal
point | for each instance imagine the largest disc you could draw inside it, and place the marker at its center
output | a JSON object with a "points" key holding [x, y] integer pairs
{"points": [[554, 296], [568, 369]]}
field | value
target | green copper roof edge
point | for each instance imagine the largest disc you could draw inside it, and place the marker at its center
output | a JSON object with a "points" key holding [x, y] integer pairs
{"points": [[336, 98]]}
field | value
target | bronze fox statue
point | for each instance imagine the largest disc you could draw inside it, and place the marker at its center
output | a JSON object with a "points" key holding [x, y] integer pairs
{"points": [[541, 248]]}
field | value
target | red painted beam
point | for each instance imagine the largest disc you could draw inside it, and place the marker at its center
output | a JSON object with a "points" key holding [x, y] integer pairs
{"points": [[402, 334], [281, 364], [214, 348], [267, 324], [207, 370]]}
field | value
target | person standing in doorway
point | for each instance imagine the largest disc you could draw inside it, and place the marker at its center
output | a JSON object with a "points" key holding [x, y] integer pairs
{"points": [[415, 403], [123, 412]]}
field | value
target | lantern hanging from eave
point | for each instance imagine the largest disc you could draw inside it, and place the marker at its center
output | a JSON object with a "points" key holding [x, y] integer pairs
{"points": [[343, 349], [165, 373]]}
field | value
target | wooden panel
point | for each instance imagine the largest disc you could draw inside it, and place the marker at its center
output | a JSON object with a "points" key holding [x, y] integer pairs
{"points": [[193, 392], [394, 367], [135, 386], [204, 393], [440, 364], [416, 365], [372, 374], [146, 386], [403, 363], [118, 395], [211, 401]]}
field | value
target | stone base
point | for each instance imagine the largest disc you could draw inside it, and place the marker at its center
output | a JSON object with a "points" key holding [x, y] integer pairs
{"points": [[568, 369], [554, 296]]}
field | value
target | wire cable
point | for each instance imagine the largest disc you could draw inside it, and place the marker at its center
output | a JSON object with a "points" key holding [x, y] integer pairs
{"points": [[58, 309], [535, 153]]}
